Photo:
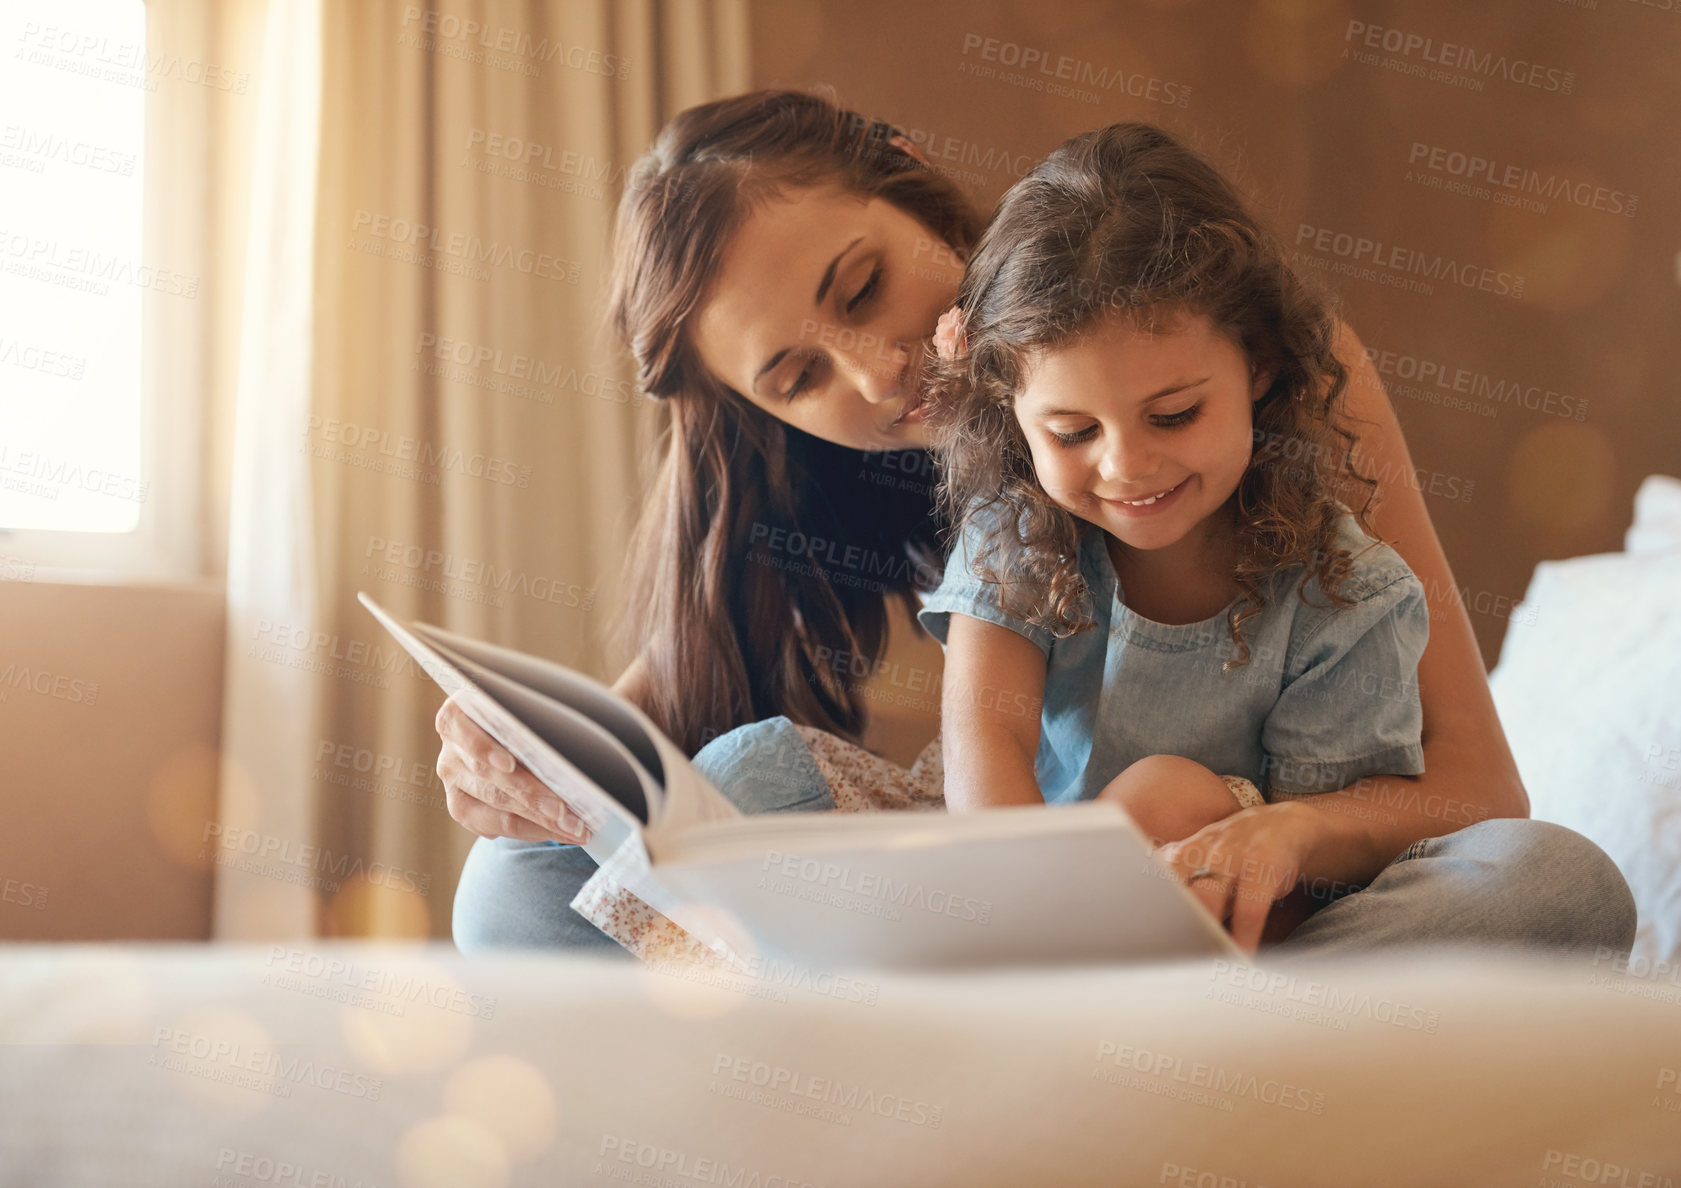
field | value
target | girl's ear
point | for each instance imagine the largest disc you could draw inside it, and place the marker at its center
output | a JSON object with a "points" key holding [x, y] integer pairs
{"points": [[1261, 381]]}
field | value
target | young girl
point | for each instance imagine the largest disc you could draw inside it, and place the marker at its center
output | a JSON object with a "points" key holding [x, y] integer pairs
{"points": [[1155, 578]]}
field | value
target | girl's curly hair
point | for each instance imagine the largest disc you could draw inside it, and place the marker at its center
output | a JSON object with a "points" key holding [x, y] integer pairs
{"points": [[1126, 221]]}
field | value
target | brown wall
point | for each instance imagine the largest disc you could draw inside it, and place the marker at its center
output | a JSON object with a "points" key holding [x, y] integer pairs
{"points": [[110, 716], [1278, 94]]}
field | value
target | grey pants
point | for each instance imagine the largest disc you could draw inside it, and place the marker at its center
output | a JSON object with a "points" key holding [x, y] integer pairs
{"points": [[1507, 882]]}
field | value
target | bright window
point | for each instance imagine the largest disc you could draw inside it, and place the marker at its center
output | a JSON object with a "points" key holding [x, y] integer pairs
{"points": [[72, 276]]}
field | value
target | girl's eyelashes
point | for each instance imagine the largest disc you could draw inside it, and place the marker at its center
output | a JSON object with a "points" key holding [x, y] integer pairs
{"points": [[1185, 417], [1083, 435], [1167, 421], [867, 291]]}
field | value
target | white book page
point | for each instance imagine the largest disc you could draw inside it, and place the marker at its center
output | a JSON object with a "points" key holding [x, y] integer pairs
{"points": [[597, 755], [690, 799], [817, 833], [610, 821], [1062, 886], [589, 697]]}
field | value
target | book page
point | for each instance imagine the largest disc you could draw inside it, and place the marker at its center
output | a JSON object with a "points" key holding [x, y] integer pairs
{"points": [[689, 799], [550, 759], [589, 697], [583, 743], [1028, 885]]}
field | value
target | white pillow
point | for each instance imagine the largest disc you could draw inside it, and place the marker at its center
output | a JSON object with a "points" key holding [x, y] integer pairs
{"points": [[1589, 691], [1657, 516]]}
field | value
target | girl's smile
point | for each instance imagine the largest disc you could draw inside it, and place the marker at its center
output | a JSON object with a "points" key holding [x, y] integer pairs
{"points": [[1147, 505]]}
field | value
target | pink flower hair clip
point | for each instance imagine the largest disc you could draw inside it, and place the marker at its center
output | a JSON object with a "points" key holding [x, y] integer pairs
{"points": [[950, 338]]}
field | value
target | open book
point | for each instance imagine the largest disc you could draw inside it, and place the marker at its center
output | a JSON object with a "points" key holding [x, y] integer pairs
{"points": [[905, 890]]}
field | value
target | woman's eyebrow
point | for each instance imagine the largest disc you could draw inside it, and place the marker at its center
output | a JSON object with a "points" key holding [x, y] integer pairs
{"points": [[829, 275], [1170, 390], [822, 291]]}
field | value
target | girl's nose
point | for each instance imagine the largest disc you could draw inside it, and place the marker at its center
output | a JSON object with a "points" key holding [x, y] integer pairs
{"points": [[1128, 461]]}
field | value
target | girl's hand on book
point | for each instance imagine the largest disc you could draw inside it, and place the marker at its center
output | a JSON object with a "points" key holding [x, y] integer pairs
{"points": [[492, 794], [1253, 858]]}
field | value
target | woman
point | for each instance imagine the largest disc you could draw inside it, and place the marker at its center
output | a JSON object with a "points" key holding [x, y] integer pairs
{"points": [[778, 264]]}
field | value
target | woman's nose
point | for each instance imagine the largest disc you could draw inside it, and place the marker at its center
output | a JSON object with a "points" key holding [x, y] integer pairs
{"points": [[876, 366]]}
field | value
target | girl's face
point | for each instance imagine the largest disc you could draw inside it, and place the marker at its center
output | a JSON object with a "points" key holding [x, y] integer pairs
{"points": [[1121, 417], [819, 313]]}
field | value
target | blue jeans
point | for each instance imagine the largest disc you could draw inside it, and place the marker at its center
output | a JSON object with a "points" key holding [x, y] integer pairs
{"points": [[1506, 882]]}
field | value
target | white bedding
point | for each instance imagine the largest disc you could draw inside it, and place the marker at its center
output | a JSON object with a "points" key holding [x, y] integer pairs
{"points": [[1589, 691], [1441, 1068]]}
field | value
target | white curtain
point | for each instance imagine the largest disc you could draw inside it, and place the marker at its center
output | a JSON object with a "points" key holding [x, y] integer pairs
{"points": [[271, 711], [407, 389]]}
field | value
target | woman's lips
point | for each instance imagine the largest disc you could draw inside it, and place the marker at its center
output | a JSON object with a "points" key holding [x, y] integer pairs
{"points": [[915, 409]]}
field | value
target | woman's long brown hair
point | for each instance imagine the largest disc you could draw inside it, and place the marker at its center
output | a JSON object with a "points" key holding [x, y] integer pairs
{"points": [[1126, 221], [761, 568]]}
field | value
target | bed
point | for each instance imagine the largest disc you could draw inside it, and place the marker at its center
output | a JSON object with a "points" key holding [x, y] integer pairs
{"points": [[379, 1065]]}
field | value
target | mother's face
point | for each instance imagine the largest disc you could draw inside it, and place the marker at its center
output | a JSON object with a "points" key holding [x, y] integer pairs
{"points": [[819, 313]]}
